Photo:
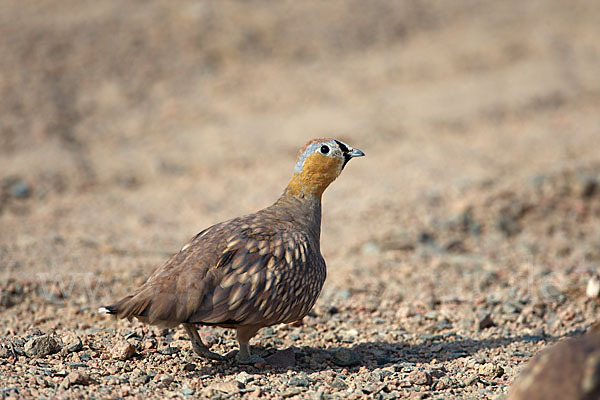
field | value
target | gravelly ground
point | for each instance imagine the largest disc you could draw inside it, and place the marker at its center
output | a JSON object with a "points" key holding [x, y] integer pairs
{"points": [[458, 248]]}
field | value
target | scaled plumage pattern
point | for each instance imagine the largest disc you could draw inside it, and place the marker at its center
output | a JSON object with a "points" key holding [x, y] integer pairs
{"points": [[250, 272]]}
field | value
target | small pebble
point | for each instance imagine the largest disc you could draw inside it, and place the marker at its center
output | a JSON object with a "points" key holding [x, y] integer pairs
{"points": [[165, 379], [298, 381], [485, 321], [169, 350], [78, 378], [593, 287], [419, 377], [381, 374], [471, 380], [550, 292], [186, 391], [189, 367], [123, 350], [244, 378], [339, 384], [19, 188], [491, 370]]}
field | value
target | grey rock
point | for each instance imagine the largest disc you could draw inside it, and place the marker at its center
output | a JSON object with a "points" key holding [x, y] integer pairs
{"points": [[186, 391], [18, 187], [339, 384], [442, 324], [380, 374], [345, 357], [550, 292], [299, 381], [74, 347], [189, 367], [268, 332], [143, 379], [166, 379], [244, 378], [484, 321], [41, 346], [471, 380], [169, 350], [512, 307]]}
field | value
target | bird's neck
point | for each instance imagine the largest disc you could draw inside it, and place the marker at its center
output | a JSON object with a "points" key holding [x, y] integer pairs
{"points": [[309, 184], [304, 208]]}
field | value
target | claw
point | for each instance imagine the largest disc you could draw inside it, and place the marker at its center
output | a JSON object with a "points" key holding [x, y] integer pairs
{"points": [[203, 351], [199, 347]]}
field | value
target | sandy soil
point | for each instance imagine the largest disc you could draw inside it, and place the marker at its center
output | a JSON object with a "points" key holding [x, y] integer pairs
{"points": [[457, 249]]}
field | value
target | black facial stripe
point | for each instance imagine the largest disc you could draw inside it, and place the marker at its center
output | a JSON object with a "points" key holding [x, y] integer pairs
{"points": [[347, 158], [343, 147]]}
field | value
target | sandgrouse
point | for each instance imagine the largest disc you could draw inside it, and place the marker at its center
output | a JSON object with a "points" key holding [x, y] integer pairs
{"points": [[249, 272]]}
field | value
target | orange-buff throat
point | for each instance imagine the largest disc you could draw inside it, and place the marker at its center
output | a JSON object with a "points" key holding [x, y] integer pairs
{"points": [[317, 173]]}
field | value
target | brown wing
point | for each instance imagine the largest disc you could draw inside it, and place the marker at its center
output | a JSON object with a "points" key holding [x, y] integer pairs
{"points": [[176, 290], [264, 278]]}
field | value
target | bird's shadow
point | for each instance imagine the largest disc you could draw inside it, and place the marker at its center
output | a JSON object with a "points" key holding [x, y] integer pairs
{"points": [[374, 355]]}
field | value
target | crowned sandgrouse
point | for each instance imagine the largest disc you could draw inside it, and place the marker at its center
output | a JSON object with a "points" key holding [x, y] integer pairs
{"points": [[250, 272]]}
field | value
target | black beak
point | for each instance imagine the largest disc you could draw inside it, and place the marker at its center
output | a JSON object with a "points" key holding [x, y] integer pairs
{"points": [[350, 154]]}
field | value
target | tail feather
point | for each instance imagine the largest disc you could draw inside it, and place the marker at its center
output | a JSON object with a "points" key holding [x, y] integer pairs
{"points": [[107, 310], [156, 307], [124, 308]]}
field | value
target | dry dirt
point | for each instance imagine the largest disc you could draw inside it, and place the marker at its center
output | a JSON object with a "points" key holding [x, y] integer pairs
{"points": [[457, 249]]}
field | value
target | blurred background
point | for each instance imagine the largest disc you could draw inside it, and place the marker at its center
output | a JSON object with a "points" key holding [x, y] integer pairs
{"points": [[473, 221], [127, 127]]}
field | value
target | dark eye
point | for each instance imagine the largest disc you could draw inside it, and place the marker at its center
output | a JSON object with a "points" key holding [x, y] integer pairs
{"points": [[324, 149]]}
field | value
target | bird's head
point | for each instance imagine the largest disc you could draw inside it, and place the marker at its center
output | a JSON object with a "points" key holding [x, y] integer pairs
{"points": [[319, 163]]}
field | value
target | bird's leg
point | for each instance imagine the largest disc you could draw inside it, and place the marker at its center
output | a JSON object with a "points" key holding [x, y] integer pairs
{"points": [[199, 347], [243, 334]]}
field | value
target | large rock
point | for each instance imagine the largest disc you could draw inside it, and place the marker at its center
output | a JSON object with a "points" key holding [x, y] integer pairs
{"points": [[568, 370], [41, 346]]}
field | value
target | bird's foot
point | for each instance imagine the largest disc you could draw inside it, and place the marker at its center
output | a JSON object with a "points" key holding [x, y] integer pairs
{"points": [[211, 355], [247, 359], [199, 347], [203, 351]]}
